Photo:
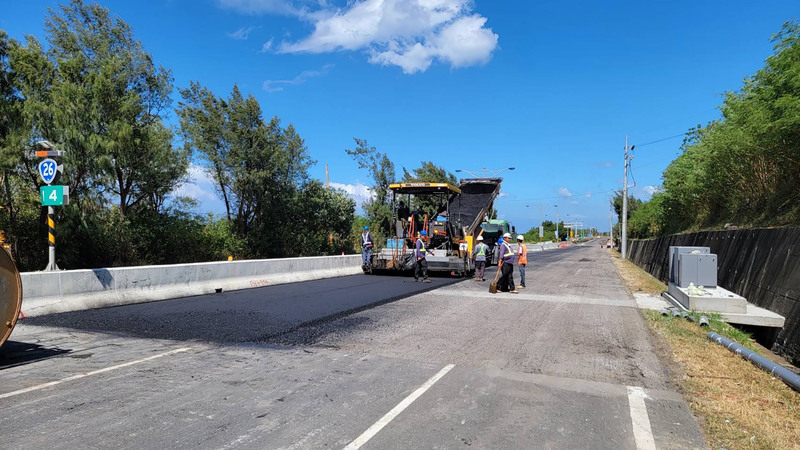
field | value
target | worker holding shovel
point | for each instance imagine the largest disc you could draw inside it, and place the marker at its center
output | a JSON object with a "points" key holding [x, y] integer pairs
{"points": [[506, 281]]}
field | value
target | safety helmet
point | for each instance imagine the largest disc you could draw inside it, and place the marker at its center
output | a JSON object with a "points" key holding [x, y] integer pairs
{"points": [[520, 238], [366, 227], [480, 238], [507, 235], [423, 233]]}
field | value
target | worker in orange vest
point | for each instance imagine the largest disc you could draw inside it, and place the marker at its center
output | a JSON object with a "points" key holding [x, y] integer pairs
{"points": [[522, 260]]}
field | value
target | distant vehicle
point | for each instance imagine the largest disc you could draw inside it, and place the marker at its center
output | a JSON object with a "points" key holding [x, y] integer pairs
{"points": [[493, 230]]}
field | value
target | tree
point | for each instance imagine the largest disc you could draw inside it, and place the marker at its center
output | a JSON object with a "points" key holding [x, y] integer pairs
{"points": [[260, 168], [742, 168], [108, 100], [381, 169], [430, 173], [633, 204]]}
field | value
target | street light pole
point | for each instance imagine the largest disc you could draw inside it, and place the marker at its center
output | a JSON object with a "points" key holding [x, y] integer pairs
{"points": [[558, 239]]}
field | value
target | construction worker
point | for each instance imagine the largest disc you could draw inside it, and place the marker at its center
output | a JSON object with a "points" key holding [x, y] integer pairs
{"points": [[420, 252], [522, 260], [366, 248], [506, 257], [480, 259]]}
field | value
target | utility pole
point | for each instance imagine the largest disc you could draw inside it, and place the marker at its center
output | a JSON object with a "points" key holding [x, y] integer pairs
{"points": [[624, 236]]}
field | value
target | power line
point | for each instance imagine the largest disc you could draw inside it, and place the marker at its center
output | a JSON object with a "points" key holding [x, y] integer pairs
{"points": [[662, 139]]}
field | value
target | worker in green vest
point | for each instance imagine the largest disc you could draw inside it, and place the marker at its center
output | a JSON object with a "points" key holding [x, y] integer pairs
{"points": [[480, 259]]}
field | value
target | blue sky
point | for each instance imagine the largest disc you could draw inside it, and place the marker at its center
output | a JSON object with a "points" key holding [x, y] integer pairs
{"points": [[549, 89]]}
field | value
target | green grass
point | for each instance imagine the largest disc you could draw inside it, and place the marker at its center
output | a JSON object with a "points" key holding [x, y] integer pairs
{"points": [[715, 324]]}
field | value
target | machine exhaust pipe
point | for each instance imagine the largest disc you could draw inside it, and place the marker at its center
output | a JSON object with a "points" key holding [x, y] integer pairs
{"points": [[10, 295]]}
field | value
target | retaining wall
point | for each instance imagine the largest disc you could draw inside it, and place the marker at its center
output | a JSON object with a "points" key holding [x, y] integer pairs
{"points": [[72, 290], [762, 265]]}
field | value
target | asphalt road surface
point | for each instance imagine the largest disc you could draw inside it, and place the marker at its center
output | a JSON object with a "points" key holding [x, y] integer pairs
{"points": [[361, 361]]}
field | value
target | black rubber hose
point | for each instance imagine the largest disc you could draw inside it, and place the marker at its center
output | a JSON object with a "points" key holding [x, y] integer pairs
{"points": [[786, 375]]}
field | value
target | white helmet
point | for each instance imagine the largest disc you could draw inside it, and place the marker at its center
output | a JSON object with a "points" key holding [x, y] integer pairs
{"points": [[520, 238], [480, 238], [507, 235]]}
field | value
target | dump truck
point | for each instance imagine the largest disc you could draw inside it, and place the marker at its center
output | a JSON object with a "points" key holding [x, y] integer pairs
{"points": [[451, 217], [492, 231], [10, 294]]}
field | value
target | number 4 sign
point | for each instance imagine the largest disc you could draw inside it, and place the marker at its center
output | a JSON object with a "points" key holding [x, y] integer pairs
{"points": [[54, 195]]}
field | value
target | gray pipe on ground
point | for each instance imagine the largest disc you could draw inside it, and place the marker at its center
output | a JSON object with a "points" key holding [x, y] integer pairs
{"points": [[786, 375]]}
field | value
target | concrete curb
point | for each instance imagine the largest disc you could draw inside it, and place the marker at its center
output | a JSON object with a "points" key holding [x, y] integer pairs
{"points": [[74, 290]]}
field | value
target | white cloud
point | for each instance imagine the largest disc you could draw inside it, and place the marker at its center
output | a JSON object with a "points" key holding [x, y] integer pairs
{"points": [[502, 194], [267, 46], [278, 85], [564, 192], [650, 190], [199, 186], [411, 34], [242, 33], [359, 192], [589, 194], [574, 202]]}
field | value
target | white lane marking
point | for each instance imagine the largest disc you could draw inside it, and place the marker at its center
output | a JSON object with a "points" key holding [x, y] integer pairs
{"points": [[383, 421], [94, 372], [642, 433]]}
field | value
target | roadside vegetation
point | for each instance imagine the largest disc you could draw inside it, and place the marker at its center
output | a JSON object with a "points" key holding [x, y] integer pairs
{"points": [[739, 405], [742, 168]]}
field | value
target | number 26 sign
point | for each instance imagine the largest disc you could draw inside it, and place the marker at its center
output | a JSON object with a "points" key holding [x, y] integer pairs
{"points": [[48, 170]]}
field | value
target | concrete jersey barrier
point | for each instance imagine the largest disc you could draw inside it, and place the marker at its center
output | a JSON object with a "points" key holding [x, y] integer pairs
{"points": [[73, 290]]}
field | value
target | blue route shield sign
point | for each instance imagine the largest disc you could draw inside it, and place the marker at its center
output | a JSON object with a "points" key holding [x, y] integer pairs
{"points": [[48, 170]]}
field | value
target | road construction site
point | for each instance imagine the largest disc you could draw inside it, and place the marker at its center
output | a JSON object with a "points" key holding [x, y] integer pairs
{"points": [[363, 360]]}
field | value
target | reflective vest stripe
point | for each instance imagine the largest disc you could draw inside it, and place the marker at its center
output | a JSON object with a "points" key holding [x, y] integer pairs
{"points": [[481, 249]]}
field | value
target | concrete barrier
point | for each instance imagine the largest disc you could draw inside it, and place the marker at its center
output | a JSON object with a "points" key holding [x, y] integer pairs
{"points": [[72, 290]]}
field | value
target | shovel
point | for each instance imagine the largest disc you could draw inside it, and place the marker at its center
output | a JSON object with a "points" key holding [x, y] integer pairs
{"points": [[493, 285]]}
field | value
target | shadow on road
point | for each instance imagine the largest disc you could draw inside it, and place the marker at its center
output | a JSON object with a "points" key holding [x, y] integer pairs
{"points": [[14, 353]]}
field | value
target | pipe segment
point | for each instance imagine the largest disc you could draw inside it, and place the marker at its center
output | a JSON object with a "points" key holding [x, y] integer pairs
{"points": [[776, 370]]}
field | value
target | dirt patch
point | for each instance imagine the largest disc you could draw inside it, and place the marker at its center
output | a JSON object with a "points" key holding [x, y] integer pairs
{"points": [[637, 280]]}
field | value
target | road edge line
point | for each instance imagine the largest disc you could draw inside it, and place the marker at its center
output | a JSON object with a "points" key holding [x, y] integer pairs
{"points": [[87, 374]]}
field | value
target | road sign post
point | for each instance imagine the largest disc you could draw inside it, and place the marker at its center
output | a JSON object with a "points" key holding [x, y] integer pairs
{"points": [[50, 171]]}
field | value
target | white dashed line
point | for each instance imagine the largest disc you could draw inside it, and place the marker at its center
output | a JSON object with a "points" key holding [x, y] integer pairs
{"points": [[94, 372], [383, 421], [641, 422]]}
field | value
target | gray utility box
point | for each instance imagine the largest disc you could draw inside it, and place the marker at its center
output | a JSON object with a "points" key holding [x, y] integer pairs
{"points": [[698, 269], [674, 251]]}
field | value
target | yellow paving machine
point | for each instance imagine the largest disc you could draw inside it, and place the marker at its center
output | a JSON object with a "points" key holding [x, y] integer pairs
{"points": [[450, 216], [10, 294]]}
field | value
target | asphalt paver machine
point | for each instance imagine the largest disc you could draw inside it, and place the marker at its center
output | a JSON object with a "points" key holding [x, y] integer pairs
{"points": [[10, 294], [450, 216]]}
